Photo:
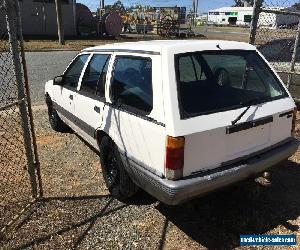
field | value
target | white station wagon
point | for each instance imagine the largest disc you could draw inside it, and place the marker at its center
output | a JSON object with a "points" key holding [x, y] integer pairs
{"points": [[176, 118]]}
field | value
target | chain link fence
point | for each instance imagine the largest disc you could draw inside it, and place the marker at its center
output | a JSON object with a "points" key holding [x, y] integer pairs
{"points": [[275, 30], [20, 182]]}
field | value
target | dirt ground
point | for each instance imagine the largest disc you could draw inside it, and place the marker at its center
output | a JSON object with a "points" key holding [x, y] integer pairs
{"points": [[210, 32], [74, 44], [222, 33], [78, 212]]}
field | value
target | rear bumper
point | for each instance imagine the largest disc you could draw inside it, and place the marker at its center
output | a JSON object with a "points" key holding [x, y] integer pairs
{"points": [[175, 192]]}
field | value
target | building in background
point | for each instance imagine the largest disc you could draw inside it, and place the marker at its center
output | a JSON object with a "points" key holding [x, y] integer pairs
{"points": [[39, 17], [240, 16], [275, 21]]}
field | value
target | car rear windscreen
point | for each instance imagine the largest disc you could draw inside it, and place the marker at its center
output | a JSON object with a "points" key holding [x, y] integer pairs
{"points": [[214, 81]]}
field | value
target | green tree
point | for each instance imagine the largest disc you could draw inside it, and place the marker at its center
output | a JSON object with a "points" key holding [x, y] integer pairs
{"points": [[117, 6], [296, 6], [140, 7], [240, 3]]}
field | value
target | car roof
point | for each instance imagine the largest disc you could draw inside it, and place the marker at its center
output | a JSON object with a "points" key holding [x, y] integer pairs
{"points": [[175, 46]]}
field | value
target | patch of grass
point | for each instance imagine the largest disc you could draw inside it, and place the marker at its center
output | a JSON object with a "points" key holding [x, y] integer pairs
{"points": [[79, 44], [36, 45]]}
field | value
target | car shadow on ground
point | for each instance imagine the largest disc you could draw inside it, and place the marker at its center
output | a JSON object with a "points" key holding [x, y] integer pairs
{"points": [[63, 220], [214, 221], [217, 220]]}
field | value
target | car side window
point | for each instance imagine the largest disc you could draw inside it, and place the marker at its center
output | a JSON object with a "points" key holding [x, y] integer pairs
{"points": [[102, 80], [73, 72], [131, 85], [191, 69], [95, 75], [235, 72]]}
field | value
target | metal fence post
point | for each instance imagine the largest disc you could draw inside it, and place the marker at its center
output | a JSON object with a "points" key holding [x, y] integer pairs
{"points": [[293, 62], [11, 19], [25, 73], [254, 22]]}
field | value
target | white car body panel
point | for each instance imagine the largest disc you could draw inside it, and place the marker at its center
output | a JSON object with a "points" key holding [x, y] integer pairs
{"points": [[207, 139]]}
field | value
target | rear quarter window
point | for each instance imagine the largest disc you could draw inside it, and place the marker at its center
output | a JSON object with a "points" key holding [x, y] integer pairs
{"points": [[131, 85]]}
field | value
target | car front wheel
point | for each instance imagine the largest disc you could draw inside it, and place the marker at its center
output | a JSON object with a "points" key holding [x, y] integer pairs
{"points": [[56, 123]]}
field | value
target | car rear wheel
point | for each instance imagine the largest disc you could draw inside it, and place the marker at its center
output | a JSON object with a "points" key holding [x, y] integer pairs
{"points": [[115, 176]]}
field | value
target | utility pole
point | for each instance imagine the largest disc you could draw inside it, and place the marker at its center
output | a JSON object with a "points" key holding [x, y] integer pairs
{"points": [[101, 13], [196, 11], [60, 27], [101, 8], [44, 17]]}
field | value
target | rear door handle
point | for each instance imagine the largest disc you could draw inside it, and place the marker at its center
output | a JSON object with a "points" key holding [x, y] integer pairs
{"points": [[71, 97], [97, 109]]}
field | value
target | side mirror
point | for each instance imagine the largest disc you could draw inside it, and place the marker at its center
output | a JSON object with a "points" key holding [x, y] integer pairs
{"points": [[59, 80]]}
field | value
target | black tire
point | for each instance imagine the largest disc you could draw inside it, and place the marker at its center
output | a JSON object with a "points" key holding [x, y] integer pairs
{"points": [[55, 122], [115, 176]]}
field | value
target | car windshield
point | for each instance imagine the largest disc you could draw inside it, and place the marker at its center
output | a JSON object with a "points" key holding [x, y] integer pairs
{"points": [[215, 81]]}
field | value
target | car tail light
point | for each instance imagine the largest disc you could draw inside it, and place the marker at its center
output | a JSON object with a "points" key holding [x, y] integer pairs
{"points": [[174, 157], [294, 121]]}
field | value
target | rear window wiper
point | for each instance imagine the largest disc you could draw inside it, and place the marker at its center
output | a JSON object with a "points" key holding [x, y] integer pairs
{"points": [[249, 104]]}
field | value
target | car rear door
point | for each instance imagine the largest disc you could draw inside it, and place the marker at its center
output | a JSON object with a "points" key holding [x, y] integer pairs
{"points": [[90, 100]]}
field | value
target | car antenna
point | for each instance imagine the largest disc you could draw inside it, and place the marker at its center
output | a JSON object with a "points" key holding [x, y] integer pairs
{"points": [[218, 46]]}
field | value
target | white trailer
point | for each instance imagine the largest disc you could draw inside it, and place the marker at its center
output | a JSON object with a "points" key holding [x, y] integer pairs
{"points": [[275, 21]]}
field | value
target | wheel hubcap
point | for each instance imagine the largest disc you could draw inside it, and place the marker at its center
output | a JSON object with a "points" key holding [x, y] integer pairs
{"points": [[112, 167], [52, 115]]}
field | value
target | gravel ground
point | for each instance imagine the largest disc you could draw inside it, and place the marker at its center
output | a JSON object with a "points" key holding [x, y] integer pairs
{"points": [[79, 213]]}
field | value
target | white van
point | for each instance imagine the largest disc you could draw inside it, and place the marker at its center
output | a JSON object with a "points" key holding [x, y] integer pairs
{"points": [[176, 118]]}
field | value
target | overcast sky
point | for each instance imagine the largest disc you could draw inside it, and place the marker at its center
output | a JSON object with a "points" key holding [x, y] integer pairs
{"points": [[204, 5]]}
